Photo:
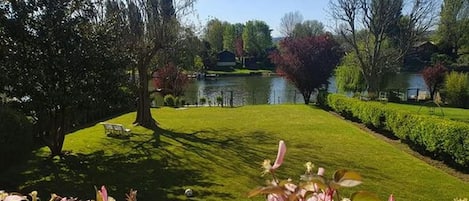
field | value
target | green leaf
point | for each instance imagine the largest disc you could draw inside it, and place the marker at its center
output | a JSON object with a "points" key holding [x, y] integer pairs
{"points": [[267, 190], [346, 178], [364, 196]]}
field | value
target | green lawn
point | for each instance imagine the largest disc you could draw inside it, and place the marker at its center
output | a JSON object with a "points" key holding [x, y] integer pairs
{"points": [[430, 109], [218, 151]]}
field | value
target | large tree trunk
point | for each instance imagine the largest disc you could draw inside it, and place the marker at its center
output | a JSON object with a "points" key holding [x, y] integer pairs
{"points": [[373, 86], [53, 124], [306, 96], [144, 117]]}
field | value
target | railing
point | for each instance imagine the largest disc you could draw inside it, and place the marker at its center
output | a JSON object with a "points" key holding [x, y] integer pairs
{"points": [[235, 98]]}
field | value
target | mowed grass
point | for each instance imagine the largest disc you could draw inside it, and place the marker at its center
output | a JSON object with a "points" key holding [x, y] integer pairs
{"points": [[217, 152], [457, 114]]}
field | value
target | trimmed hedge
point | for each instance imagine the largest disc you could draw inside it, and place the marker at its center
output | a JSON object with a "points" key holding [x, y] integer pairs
{"points": [[445, 139]]}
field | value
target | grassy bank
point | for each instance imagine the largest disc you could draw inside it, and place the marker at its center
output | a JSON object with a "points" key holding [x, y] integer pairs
{"points": [[217, 152], [457, 114]]}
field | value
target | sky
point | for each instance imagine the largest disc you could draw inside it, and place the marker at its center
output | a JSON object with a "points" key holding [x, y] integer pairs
{"points": [[269, 11]]}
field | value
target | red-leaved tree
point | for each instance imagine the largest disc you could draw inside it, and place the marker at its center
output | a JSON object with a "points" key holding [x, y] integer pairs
{"points": [[170, 80], [434, 77], [239, 47], [307, 62]]}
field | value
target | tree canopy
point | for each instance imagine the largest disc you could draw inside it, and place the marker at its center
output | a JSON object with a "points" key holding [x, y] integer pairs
{"points": [[307, 62], [256, 37], [434, 77], [367, 27], [61, 58], [308, 28], [453, 29]]}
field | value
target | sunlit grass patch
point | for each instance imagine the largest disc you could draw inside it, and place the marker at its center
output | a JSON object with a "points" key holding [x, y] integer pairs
{"points": [[218, 152]]}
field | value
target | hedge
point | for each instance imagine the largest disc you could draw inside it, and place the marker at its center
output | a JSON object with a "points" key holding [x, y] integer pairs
{"points": [[445, 139]]}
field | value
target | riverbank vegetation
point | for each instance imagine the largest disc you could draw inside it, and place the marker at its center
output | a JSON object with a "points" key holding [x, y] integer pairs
{"points": [[217, 152]]}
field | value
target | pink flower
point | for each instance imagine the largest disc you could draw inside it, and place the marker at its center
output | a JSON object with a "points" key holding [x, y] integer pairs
{"points": [[275, 197], [104, 193], [321, 171], [391, 197], [282, 148]]}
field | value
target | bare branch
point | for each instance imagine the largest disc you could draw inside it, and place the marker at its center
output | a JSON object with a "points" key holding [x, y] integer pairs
{"points": [[289, 21]]}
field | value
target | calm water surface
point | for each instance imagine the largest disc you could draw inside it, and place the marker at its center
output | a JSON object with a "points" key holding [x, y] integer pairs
{"points": [[273, 90]]}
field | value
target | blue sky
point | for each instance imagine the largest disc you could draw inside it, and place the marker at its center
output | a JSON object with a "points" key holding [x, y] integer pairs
{"points": [[270, 11]]}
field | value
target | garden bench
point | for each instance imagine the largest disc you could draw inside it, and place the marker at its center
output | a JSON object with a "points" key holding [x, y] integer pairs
{"points": [[115, 129]]}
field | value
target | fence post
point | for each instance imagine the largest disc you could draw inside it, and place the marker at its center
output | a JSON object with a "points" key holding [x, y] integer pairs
{"points": [[231, 98], [222, 99]]}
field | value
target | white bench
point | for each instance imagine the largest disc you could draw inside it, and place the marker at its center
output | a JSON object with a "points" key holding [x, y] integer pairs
{"points": [[115, 129]]}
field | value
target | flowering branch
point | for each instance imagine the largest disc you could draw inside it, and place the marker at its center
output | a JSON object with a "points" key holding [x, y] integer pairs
{"points": [[313, 187]]}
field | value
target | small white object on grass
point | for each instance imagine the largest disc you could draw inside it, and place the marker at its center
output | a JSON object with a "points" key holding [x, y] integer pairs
{"points": [[188, 192]]}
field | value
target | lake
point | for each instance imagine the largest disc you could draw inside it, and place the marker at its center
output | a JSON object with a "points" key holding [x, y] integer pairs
{"points": [[251, 90]]}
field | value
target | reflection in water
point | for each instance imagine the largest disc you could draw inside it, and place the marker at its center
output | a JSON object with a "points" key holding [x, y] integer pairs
{"points": [[245, 90], [272, 90]]}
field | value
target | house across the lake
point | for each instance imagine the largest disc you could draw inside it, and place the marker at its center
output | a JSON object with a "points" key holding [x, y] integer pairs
{"points": [[420, 55], [226, 59]]}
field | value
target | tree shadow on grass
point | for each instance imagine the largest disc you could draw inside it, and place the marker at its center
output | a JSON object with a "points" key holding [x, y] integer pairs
{"points": [[160, 166]]}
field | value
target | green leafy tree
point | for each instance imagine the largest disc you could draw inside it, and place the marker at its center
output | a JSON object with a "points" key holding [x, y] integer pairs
{"points": [[155, 28], [63, 60], [238, 29], [308, 28], [374, 19], [186, 49], [348, 76], [229, 37], [453, 27], [457, 88], [256, 37], [198, 63], [214, 34]]}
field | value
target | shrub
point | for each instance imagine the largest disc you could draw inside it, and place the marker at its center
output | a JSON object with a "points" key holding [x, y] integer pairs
{"points": [[441, 58], [220, 100], [443, 139], [322, 98], [182, 101], [456, 89], [16, 137], [203, 100], [169, 100], [434, 76]]}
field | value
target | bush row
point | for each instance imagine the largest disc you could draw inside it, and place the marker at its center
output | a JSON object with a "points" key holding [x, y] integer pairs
{"points": [[444, 139]]}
